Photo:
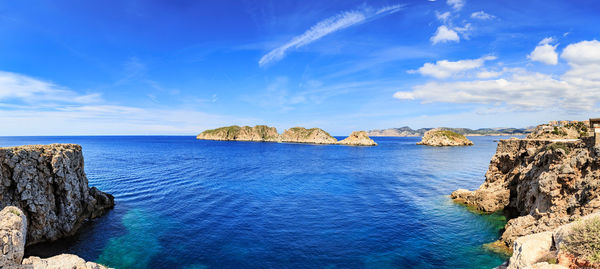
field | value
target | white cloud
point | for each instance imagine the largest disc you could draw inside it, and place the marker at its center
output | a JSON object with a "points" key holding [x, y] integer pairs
{"points": [[443, 34], [481, 15], [578, 89], [442, 16], [485, 74], [30, 106], [26, 89], [456, 4], [326, 27], [583, 53], [445, 68], [544, 52]]}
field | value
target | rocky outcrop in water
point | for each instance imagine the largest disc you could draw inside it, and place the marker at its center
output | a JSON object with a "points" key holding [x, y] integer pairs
{"points": [[13, 228], [261, 133], [311, 136], [358, 138], [49, 184], [440, 138], [538, 184]]}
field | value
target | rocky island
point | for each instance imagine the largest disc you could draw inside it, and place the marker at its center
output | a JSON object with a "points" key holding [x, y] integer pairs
{"points": [[260, 133], [44, 196], [441, 138], [263, 133], [541, 185], [311, 136], [358, 138]]}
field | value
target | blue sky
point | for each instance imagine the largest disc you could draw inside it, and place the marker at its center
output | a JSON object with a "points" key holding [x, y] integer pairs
{"points": [[179, 67]]}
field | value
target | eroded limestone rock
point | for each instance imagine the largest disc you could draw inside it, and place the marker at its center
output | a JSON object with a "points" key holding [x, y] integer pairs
{"points": [[49, 184], [540, 184], [13, 229]]}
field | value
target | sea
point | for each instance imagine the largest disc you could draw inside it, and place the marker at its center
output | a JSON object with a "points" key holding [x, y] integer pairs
{"points": [[187, 203]]}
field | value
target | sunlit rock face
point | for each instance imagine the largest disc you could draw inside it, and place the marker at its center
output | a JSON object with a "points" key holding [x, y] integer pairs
{"points": [[443, 138], [540, 184], [49, 184]]}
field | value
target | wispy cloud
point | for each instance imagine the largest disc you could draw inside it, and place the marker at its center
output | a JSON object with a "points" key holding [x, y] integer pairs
{"points": [[25, 89], [326, 27], [31, 106], [481, 15], [445, 68], [456, 4]]}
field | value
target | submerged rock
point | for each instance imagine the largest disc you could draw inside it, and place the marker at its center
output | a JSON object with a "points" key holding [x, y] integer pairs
{"points": [[311, 136], [48, 183], [440, 137], [358, 138], [259, 133]]}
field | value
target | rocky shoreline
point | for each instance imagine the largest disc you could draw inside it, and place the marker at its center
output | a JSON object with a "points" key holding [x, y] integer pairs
{"points": [[539, 184], [44, 196], [263, 133]]}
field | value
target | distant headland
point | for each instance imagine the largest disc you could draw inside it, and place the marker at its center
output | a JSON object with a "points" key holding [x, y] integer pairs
{"points": [[407, 131], [263, 133]]}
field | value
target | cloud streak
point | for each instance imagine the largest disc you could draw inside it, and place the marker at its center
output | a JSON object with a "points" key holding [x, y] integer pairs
{"points": [[326, 27]]}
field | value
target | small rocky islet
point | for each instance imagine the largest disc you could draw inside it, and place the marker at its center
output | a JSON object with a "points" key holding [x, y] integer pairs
{"points": [[263, 133], [44, 196], [441, 138]]}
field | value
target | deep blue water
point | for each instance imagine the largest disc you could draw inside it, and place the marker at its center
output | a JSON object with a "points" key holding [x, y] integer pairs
{"points": [[185, 203]]}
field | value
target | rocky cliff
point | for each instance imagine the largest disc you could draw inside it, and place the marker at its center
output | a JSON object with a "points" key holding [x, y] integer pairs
{"points": [[439, 138], [311, 136], [561, 130], [539, 184], [260, 133], [13, 228], [358, 138], [49, 184]]}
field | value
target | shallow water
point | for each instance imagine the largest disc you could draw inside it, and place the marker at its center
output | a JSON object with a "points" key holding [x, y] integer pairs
{"points": [[185, 203]]}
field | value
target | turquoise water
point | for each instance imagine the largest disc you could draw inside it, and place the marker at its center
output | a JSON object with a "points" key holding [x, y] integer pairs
{"points": [[184, 203]]}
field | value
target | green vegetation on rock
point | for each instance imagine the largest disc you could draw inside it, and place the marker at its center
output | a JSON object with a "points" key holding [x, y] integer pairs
{"points": [[584, 240]]}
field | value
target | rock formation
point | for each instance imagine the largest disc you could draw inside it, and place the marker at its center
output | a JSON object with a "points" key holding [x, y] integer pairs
{"points": [[13, 228], [548, 249], [48, 183], [539, 184], [311, 136], [561, 130], [358, 138], [260, 133], [439, 137]]}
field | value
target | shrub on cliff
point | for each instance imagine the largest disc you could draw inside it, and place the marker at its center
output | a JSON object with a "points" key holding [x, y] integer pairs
{"points": [[584, 240]]}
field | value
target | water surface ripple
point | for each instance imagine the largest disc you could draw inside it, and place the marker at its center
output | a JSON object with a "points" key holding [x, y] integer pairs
{"points": [[184, 203]]}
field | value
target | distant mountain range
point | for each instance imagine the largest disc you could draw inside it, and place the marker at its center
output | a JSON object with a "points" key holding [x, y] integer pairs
{"points": [[407, 131]]}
